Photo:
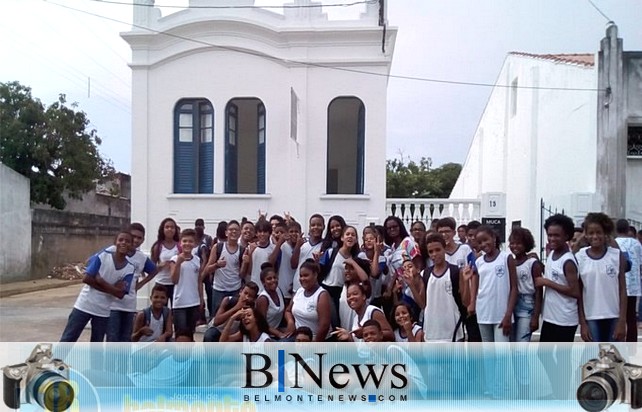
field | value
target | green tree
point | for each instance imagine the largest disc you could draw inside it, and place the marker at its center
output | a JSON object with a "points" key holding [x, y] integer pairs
{"points": [[52, 146], [420, 180]]}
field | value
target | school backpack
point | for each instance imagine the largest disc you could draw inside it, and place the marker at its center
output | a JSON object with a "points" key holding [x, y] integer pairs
{"points": [[147, 312], [454, 281], [219, 250]]}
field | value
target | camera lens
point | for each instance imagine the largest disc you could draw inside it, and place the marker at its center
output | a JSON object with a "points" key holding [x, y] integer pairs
{"points": [[597, 392], [53, 392]]}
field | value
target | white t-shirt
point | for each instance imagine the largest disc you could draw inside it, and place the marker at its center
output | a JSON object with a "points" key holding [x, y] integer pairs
{"points": [[164, 277], [274, 314], [415, 330], [186, 290], [260, 255], [337, 274], [441, 313], [142, 264], [461, 256], [358, 323], [600, 281], [156, 325], [304, 309], [92, 300], [494, 289], [286, 273], [559, 309], [346, 314], [634, 250], [307, 251], [524, 271], [228, 278]]}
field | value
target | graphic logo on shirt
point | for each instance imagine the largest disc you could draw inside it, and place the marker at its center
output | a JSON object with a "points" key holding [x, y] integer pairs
{"points": [[610, 271], [556, 276], [523, 275], [499, 271], [449, 287], [310, 307]]}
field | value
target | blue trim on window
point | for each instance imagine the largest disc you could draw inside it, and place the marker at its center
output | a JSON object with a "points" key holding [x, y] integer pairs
{"points": [[193, 160], [260, 156], [231, 148]]}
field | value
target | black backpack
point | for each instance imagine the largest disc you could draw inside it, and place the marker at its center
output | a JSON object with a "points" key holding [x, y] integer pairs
{"points": [[454, 281]]}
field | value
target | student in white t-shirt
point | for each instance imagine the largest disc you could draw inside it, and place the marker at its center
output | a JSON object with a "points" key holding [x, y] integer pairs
{"points": [[404, 326], [560, 304], [258, 253], [286, 271], [188, 292], [271, 302], [310, 249], [631, 247], [602, 282], [123, 311], [497, 290], [165, 247], [441, 300], [107, 277]]}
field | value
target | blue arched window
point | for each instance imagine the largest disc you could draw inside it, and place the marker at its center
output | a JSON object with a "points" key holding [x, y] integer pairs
{"points": [[245, 138], [346, 140], [194, 146]]}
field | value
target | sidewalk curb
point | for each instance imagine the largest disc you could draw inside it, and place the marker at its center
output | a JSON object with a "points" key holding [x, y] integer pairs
{"points": [[6, 292]]}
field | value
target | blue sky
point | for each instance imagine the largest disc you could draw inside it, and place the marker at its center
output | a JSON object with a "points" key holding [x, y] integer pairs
{"points": [[56, 50]]}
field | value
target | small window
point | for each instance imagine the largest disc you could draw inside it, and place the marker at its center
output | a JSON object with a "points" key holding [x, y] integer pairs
{"points": [[245, 146], [634, 141], [193, 147], [346, 139]]}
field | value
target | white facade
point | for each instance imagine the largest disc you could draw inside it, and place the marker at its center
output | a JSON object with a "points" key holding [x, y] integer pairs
{"points": [[534, 142], [218, 55]]}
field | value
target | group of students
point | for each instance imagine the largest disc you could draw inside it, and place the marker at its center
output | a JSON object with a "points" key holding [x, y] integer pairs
{"points": [[265, 281]]}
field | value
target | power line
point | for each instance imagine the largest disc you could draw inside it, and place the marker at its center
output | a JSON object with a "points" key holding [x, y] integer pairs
{"points": [[284, 6], [599, 11], [322, 66]]}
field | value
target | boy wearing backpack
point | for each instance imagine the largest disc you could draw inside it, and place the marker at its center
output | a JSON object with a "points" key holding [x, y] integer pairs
{"points": [[154, 323], [444, 311]]}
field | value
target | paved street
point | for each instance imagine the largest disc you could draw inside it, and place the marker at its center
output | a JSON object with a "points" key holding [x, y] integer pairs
{"points": [[38, 316]]}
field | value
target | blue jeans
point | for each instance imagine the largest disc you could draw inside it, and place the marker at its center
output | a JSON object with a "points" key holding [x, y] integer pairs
{"points": [[119, 328], [602, 329], [76, 323], [524, 308], [217, 298]]}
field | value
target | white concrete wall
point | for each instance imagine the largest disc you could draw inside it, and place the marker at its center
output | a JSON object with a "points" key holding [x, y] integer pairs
{"points": [[15, 214], [545, 149], [166, 70]]}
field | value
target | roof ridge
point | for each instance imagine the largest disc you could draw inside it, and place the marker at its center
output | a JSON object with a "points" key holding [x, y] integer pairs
{"points": [[582, 59]]}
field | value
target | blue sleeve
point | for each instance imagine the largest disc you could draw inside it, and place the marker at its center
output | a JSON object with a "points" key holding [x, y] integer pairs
{"points": [[326, 257], [149, 266], [94, 266], [471, 261]]}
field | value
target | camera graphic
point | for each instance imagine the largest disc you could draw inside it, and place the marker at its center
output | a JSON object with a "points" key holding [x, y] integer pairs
{"points": [[41, 380], [608, 379]]}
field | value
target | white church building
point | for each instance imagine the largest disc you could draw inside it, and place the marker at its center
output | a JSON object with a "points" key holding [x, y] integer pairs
{"points": [[560, 132], [237, 110]]}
